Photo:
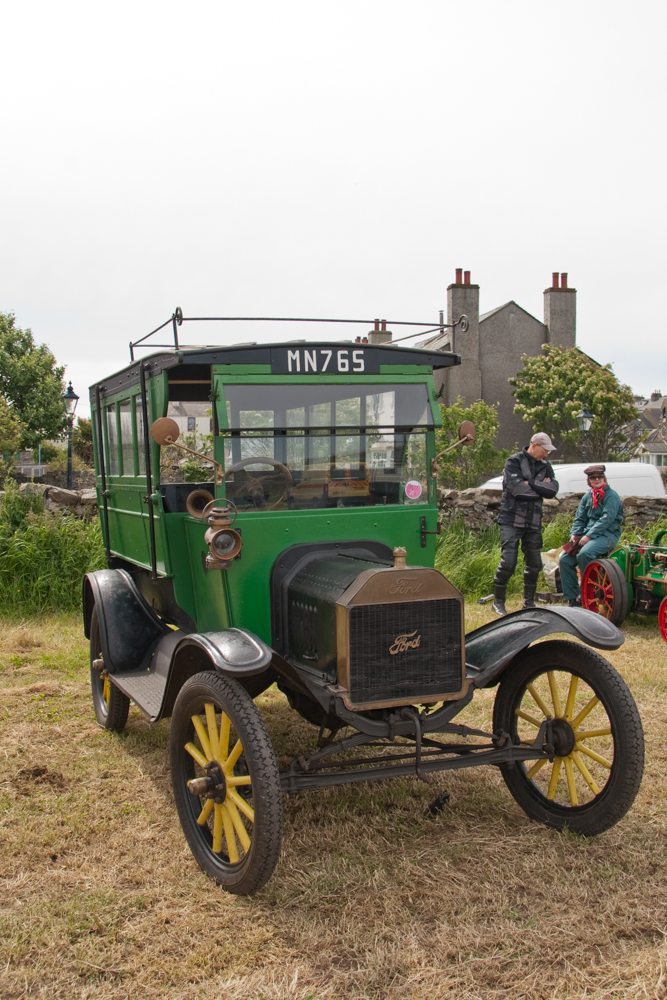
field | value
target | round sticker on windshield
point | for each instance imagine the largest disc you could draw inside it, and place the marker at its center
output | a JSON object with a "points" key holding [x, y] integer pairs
{"points": [[413, 490]]}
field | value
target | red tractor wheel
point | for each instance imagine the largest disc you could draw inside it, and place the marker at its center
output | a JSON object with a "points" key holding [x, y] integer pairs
{"points": [[662, 619], [604, 590]]}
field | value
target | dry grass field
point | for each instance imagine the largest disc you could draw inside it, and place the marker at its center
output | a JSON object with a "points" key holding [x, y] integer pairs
{"points": [[373, 898]]}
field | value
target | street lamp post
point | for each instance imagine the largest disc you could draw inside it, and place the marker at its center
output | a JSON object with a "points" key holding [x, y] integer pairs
{"points": [[70, 399], [584, 421]]}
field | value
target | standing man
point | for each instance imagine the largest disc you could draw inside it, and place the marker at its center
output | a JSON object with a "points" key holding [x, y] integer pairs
{"points": [[527, 479], [595, 532]]}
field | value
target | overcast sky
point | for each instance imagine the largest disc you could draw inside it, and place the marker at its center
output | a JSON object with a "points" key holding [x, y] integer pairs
{"points": [[330, 158]]}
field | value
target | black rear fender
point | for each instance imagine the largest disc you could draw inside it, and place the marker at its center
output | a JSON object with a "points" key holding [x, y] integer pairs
{"points": [[491, 648], [128, 625]]}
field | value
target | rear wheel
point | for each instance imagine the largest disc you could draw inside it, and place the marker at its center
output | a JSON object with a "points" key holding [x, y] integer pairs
{"points": [[662, 619], [111, 705], [226, 783], [596, 731], [604, 590]]}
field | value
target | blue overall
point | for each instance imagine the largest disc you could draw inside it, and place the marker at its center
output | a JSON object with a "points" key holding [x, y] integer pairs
{"points": [[602, 524]]}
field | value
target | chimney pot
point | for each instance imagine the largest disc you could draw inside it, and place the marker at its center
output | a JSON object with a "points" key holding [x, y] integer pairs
{"points": [[384, 325], [466, 277], [563, 280], [459, 275], [377, 324], [554, 279]]}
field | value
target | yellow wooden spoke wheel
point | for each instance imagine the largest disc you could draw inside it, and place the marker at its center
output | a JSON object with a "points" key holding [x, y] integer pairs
{"points": [[226, 783], [592, 726], [111, 705]]}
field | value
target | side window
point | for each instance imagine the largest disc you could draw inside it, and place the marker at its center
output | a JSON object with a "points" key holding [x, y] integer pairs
{"points": [[126, 437], [112, 442], [139, 422]]}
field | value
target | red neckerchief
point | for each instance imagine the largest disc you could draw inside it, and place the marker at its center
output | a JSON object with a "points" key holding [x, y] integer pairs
{"points": [[598, 495]]}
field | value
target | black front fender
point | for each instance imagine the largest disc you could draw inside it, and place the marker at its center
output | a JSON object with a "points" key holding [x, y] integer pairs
{"points": [[234, 652], [492, 647]]}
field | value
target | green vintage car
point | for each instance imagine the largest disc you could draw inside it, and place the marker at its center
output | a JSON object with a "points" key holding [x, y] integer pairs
{"points": [[293, 545]]}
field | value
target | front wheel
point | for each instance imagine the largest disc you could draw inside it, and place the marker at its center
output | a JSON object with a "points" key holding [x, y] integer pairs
{"points": [[226, 782], [597, 736]]}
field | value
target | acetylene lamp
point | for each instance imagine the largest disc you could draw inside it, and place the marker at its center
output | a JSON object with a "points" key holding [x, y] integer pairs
{"points": [[224, 542]]}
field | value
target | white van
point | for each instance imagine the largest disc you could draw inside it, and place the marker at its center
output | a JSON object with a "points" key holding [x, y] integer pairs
{"points": [[629, 479]]}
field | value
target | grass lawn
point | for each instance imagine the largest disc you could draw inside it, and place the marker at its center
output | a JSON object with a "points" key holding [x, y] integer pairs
{"points": [[372, 898]]}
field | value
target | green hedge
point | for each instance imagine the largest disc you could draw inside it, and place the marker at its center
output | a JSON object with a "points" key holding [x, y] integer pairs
{"points": [[44, 555]]}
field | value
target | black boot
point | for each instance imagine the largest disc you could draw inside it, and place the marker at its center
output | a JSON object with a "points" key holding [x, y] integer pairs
{"points": [[574, 602], [499, 599], [529, 595]]}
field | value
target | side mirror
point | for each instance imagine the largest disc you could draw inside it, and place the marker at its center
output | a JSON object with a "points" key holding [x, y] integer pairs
{"points": [[165, 431], [467, 432]]}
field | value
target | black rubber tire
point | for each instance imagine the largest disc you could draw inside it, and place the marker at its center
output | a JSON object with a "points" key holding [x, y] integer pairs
{"points": [[258, 760], [111, 713], [625, 776], [619, 588]]}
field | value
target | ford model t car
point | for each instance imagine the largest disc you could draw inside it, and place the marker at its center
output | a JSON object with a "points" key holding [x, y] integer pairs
{"points": [[270, 518]]}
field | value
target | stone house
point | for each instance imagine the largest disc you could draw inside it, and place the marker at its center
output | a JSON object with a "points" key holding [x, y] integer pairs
{"points": [[492, 346], [653, 417]]}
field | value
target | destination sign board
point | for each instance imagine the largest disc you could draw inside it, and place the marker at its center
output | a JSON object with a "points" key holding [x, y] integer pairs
{"points": [[333, 360]]}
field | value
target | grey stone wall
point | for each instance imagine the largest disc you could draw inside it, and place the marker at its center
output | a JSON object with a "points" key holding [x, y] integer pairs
{"points": [[82, 503], [479, 508]]}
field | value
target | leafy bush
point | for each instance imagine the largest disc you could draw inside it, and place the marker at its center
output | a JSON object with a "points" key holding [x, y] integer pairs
{"points": [[43, 555]]}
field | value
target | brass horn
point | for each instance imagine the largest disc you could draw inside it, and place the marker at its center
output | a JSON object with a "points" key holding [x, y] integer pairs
{"points": [[197, 501]]}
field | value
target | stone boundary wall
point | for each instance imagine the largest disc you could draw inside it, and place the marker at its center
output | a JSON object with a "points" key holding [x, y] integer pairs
{"points": [[83, 503], [479, 508]]}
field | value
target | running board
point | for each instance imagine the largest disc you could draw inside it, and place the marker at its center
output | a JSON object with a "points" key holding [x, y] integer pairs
{"points": [[146, 688]]}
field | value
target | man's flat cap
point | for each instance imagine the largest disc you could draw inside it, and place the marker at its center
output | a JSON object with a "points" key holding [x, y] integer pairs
{"points": [[593, 469]]}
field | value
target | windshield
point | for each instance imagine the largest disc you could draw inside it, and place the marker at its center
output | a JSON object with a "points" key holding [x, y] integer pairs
{"points": [[326, 445]]}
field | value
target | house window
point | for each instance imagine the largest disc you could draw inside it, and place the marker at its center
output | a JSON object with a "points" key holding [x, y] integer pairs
{"points": [[191, 424]]}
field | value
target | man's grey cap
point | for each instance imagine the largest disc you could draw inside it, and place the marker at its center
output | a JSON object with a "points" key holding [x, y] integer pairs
{"points": [[543, 440]]}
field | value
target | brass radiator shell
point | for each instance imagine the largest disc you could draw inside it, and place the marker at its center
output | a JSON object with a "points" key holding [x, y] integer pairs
{"points": [[416, 595]]}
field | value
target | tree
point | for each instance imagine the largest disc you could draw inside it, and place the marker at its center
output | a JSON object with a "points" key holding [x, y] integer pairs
{"points": [[469, 465], [32, 382], [550, 391], [10, 437], [82, 441]]}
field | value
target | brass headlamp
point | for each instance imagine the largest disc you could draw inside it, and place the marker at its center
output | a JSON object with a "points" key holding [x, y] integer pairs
{"points": [[224, 542]]}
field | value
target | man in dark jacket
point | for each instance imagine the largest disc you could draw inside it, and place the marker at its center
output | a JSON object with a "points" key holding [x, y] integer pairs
{"points": [[595, 532], [527, 479]]}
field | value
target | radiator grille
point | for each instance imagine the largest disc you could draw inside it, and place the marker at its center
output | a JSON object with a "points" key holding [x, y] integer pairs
{"points": [[413, 671]]}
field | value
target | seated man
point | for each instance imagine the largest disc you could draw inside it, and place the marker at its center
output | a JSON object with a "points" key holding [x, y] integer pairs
{"points": [[596, 530]]}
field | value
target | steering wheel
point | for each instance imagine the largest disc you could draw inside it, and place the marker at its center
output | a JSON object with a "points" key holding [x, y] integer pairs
{"points": [[254, 489]]}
